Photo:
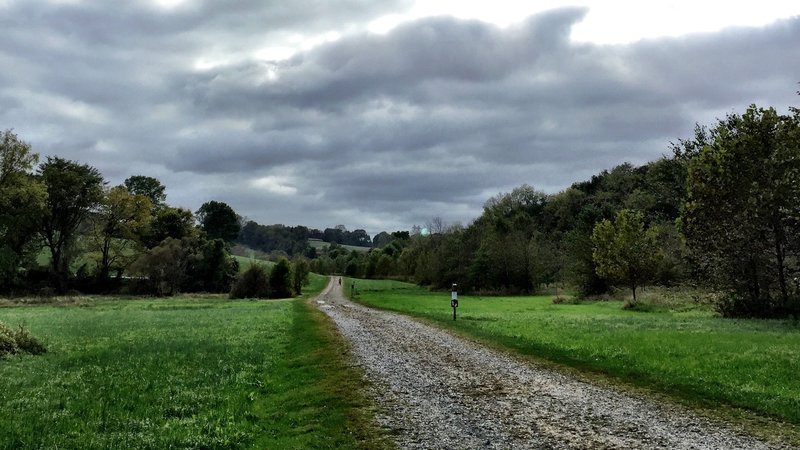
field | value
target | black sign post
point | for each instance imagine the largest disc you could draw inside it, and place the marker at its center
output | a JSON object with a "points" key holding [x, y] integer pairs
{"points": [[454, 300]]}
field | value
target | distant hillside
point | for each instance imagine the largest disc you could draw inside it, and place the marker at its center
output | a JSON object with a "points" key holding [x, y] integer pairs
{"points": [[319, 244]]}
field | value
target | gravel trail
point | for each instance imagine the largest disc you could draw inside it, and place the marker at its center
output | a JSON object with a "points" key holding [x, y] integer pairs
{"points": [[440, 391]]}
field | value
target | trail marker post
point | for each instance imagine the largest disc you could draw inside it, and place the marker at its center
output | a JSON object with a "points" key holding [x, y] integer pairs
{"points": [[454, 299]]}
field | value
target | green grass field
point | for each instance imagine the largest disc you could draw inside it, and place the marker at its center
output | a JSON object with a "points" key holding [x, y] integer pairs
{"points": [[245, 262], [202, 372], [753, 364]]}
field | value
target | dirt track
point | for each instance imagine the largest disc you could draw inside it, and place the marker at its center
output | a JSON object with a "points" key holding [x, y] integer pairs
{"points": [[441, 391]]}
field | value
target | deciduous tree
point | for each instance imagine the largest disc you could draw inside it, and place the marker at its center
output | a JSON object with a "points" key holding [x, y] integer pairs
{"points": [[118, 225], [742, 217], [219, 221], [149, 187], [624, 251], [73, 191], [22, 200]]}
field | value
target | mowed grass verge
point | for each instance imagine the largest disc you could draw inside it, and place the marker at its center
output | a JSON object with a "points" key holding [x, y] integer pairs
{"points": [[706, 360], [182, 373]]}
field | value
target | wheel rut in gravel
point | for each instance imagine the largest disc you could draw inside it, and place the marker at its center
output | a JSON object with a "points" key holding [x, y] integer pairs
{"points": [[438, 390]]}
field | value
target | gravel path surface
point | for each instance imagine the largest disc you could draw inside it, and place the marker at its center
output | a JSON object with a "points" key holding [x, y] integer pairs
{"points": [[440, 391]]}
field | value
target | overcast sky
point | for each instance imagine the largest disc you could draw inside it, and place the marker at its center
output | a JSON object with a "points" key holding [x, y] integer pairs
{"points": [[380, 114]]}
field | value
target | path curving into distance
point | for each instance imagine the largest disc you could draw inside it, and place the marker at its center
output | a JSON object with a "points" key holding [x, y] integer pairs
{"points": [[437, 390]]}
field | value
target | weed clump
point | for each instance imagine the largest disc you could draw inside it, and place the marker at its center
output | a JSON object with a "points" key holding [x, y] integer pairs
{"points": [[19, 340], [8, 345]]}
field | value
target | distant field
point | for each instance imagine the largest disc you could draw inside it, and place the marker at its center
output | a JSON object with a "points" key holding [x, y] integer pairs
{"points": [[245, 262], [752, 364], [201, 372], [319, 245]]}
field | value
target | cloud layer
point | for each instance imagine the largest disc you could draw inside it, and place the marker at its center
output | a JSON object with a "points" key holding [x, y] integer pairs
{"points": [[372, 131]]}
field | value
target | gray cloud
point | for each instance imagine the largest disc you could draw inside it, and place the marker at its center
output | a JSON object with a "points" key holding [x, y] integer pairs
{"points": [[374, 131]]}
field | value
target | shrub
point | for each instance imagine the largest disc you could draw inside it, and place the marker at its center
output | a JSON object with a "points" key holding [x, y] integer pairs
{"points": [[253, 283], [8, 344], [27, 342], [12, 342]]}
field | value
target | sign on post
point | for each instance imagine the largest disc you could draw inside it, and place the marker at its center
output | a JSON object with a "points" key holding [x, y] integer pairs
{"points": [[454, 299]]}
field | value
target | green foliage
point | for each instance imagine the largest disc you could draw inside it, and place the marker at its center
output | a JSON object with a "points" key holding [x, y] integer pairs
{"points": [[186, 265], [270, 238], [211, 267], [381, 239], [680, 348], [742, 217], [624, 251], [252, 283], [176, 223], [22, 202], [580, 267], [164, 266], [219, 221], [19, 340], [73, 191], [280, 279], [300, 274], [148, 187], [118, 227], [8, 341], [27, 342]]}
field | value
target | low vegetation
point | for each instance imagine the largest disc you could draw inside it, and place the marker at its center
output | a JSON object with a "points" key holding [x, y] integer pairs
{"points": [[681, 348], [183, 372], [13, 341]]}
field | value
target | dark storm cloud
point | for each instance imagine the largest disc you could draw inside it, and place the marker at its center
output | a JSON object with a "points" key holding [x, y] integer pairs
{"points": [[374, 131]]}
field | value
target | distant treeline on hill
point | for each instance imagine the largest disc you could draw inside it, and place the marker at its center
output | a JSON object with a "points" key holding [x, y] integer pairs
{"points": [[294, 240]]}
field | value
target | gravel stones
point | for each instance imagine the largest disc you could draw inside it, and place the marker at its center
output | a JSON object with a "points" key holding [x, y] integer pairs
{"points": [[440, 391]]}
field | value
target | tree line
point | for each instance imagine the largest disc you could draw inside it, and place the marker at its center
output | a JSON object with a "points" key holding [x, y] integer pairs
{"points": [[63, 228], [294, 240], [722, 211]]}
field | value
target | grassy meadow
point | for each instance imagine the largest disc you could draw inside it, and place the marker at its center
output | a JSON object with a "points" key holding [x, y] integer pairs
{"points": [[185, 372], [320, 245], [685, 352]]}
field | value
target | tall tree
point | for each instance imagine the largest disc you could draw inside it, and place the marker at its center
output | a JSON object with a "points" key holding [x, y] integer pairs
{"points": [[381, 239], [73, 192], [148, 187], [742, 217], [219, 221], [300, 274], [22, 200], [169, 222], [624, 251], [118, 226], [280, 279]]}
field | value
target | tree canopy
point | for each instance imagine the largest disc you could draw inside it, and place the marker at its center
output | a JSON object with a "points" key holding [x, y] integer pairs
{"points": [[624, 251], [742, 216], [74, 190], [219, 221]]}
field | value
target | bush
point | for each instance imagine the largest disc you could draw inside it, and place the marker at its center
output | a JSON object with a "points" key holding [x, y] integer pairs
{"points": [[253, 283], [27, 342], [12, 342], [8, 344]]}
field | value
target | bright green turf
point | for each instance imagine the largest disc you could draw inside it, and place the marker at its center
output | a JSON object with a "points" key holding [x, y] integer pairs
{"points": [[753, 364], [181, 373]]}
